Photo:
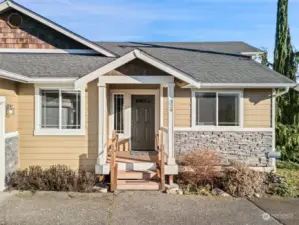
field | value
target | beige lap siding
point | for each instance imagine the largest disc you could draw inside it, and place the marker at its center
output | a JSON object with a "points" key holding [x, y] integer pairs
{"points": [[182, 107], [74, 151], [8, 89], [257, 108]]}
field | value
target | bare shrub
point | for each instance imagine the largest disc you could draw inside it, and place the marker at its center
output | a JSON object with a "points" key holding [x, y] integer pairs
{"points": [[55, 178], [201, 168], [241, 181]]}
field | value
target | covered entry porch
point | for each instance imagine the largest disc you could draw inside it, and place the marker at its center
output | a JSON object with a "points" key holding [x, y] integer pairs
{"points": [[134, 107]]}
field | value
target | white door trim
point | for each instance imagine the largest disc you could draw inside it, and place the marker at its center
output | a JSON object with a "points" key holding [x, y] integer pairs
{"points": [[128, 110], [2, 143]]}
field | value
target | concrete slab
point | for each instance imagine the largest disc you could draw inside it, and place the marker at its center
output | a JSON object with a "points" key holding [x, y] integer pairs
{"points": [[55, 208], [284, 210], [139, 208]]}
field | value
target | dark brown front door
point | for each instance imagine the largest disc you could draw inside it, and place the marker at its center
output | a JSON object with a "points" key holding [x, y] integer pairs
{"points": [[143, 122]]}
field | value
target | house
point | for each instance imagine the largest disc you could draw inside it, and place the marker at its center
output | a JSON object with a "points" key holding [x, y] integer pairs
{"points": [[62, 96]]}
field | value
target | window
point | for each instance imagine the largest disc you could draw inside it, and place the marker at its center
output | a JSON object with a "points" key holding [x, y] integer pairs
{"points": [[59, 109], [119, 113], [217, 109], [228, 109], [206, 109]]}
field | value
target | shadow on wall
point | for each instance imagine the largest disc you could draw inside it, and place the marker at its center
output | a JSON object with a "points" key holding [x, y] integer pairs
{"points": [[89, 160], [257, 98]]}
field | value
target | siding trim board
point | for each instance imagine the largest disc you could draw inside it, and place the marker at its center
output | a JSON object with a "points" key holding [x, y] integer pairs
{"points": [[2, 142]]}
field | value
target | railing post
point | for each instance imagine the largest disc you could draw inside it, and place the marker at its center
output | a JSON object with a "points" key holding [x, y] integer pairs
{"points": [[113, 164]]}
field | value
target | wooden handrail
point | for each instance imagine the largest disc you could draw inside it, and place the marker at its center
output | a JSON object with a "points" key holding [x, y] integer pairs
{"points": [[161, 161], [113, 164]]}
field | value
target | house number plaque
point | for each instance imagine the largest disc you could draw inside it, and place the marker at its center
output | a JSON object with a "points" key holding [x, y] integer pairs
{"points": [[171, 105]]}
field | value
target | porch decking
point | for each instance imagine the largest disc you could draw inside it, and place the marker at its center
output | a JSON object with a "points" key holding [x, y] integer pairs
{"points": [[128, 157]]}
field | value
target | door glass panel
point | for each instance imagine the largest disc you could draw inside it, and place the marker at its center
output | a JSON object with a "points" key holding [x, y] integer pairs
{"points": [[119, 113]]}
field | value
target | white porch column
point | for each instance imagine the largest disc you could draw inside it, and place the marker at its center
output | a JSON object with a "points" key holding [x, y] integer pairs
{"points": [[171, 158], [102, 167]]}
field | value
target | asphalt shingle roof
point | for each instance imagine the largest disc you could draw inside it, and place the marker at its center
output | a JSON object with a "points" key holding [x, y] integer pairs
{"points": [[51, 65], [207, 62]]}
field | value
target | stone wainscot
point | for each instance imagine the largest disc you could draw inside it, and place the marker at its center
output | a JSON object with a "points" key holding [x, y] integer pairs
{"points": [[11, 154], [251, 148]]}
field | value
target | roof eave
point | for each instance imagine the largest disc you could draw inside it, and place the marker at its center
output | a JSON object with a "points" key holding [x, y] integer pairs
{"points": [[243, 85], [35, 80]]}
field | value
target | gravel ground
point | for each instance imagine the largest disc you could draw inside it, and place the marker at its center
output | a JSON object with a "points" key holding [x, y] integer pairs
{"points": [[126, 208]]}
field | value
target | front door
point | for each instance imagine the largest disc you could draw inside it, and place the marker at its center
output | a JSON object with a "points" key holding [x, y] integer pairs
{"points": [[143, 122]]}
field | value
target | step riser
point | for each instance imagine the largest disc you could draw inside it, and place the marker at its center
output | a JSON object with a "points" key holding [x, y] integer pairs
{"points": [[137, 166], [138, 188], [137, 176], [137, 185]]}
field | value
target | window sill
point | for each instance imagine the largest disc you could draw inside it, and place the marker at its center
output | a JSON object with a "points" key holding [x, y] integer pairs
{"points": [[207, 128], [54, 132]]}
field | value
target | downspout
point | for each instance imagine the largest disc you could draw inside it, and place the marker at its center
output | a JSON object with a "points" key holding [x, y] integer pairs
{"points": [[275, 155], [286, 90]]}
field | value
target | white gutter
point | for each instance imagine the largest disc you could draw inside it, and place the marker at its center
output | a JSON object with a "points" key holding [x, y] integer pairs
{"points": [[243, 85], [37, 80]]}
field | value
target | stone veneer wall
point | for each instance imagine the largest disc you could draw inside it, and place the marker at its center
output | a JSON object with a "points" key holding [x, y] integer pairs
{"points": [[246, 147], [11, 154]]}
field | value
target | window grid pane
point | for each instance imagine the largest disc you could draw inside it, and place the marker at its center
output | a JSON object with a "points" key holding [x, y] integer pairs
{"points": [[206, 109], [70, 110], [119, 113], [49, 108], [228, 109]]}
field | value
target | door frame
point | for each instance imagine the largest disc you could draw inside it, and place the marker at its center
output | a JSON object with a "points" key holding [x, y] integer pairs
{"points": [[128, 110], [2, 142], [152, 123]]}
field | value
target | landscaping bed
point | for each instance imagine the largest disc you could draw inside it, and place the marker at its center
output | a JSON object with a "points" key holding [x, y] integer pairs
{"points": [[203, 177]]}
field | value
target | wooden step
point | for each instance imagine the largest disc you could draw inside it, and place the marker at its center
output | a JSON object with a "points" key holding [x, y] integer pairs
{"points": [[136, 175], [137, 185]]}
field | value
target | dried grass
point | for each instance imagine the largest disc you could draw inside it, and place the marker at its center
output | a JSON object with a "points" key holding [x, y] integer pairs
{"points": [[55, 178], [201, 168], [241, 181]]}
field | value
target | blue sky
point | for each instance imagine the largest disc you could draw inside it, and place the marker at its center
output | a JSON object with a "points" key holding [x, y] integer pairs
{"points": [[252, 21]]}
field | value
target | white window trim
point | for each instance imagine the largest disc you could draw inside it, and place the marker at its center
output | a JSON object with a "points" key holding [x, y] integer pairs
{"points": [[241, 110], [57, 132], [121, 135]]}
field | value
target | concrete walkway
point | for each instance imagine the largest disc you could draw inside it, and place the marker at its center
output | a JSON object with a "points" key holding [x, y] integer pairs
{"points": [[127, 208], [285, 211]]}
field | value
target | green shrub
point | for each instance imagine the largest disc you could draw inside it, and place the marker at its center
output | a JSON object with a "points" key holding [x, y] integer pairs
{"points": [[289, 186], [287, 165], [241, 181], [55, 178]]}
